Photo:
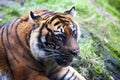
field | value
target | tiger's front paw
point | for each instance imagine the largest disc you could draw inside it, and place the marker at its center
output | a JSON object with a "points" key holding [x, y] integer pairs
{"points": [[67, 73]]}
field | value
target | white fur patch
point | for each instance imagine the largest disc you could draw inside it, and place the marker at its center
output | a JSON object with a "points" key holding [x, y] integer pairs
{"points": [[78, 32], [4, 77], [59, 30], [36, 52], [71, 72], [43, 39]]}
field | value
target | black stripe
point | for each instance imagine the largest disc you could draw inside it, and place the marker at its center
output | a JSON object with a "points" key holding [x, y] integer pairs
{"points": [[75, 77], [58, 27], [63, 26], [27, 51], [65, 75], [53, 18], [26, 19], [9, 26], [57, 23], [40, 33], [47, 36], [46, 15], [35, 69], [16, 26], [18, 41], [5, 54], [71, 76], [19, 38], [56, 31], [64, 21], [49, 30], [13, 24], [27, 36], [57, 16], [6, 26], [8, 46]]}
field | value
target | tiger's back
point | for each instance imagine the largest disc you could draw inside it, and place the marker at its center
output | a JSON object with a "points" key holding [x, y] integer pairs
{"points": [[25, 46]]}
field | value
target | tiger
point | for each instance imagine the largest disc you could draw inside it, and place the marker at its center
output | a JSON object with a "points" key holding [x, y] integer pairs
{"points": [[40, 45]]}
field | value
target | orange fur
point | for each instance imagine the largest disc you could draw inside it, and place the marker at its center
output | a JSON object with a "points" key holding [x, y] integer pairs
{"points": [[19, 69], [15, 52]]}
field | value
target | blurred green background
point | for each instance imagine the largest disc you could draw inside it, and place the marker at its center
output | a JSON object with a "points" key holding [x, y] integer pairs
{"points": [[99, 42]]}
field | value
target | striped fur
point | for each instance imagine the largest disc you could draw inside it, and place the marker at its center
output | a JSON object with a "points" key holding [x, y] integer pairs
{"points": [[39, 46]]}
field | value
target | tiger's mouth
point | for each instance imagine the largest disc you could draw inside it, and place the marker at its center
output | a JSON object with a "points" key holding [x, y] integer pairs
{"points": [[61, 58], [64, 60]]}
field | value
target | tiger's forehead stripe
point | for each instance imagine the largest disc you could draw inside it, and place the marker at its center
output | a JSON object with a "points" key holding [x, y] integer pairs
{"points": [[56, 23], [59, 30], [56, 17], [46, 15]]}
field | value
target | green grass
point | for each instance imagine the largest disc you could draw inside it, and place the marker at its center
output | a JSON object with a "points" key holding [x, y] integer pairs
{"points": [[108, 6], [106, 34]]}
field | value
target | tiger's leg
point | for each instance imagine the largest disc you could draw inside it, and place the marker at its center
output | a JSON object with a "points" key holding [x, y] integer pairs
{"points": [[67, 73]]}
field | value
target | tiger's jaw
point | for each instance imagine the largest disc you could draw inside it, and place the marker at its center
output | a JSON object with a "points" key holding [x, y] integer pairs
{"points": [[64, 60]]}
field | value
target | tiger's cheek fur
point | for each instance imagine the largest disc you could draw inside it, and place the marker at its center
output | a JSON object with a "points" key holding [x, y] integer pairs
{"points": [[27, 42], [35, 50], [37, 40]]}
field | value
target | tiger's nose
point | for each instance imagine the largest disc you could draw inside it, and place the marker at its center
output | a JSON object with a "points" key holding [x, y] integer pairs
{"points": [[75, 51]]}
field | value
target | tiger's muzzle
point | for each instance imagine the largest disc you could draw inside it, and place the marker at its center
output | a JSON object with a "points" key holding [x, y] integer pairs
{"points": [[69, 50]]}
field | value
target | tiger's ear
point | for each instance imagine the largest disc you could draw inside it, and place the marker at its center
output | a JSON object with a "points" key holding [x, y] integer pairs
{"points": [[72, 11], [33, 16]]}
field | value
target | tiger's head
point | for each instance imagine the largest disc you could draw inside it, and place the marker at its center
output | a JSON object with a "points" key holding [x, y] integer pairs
{"points": [[54, 36]]}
